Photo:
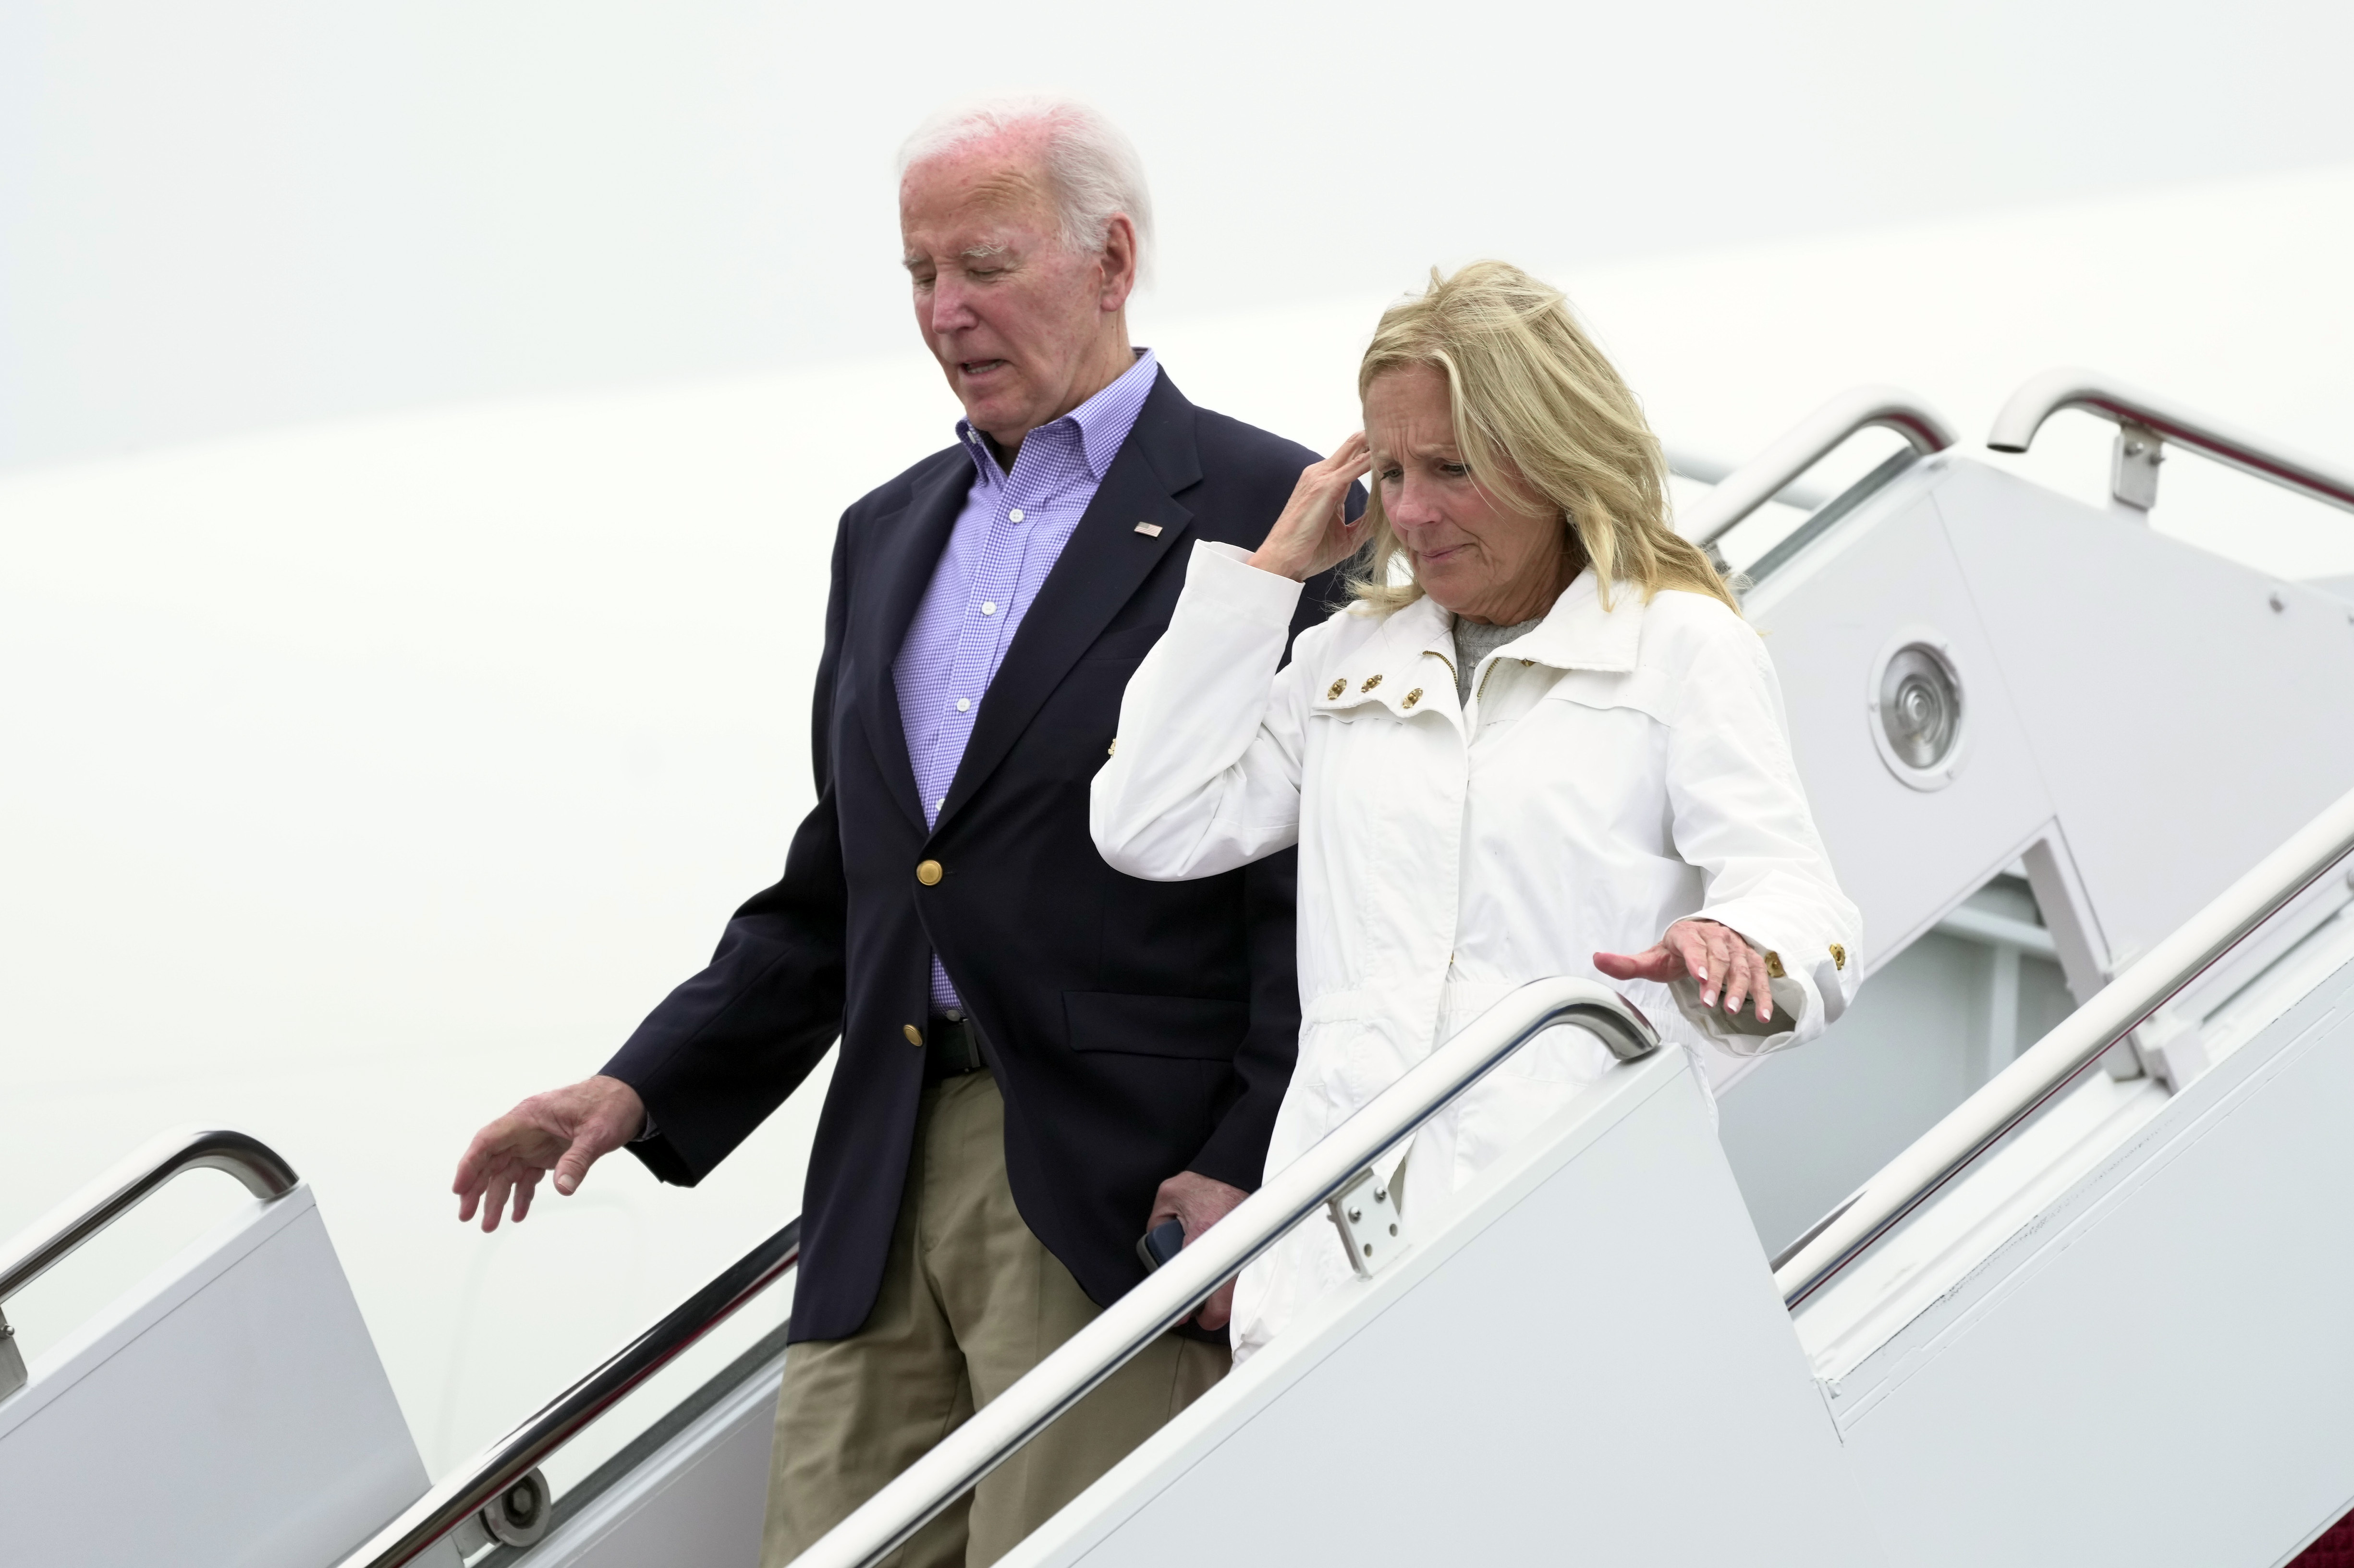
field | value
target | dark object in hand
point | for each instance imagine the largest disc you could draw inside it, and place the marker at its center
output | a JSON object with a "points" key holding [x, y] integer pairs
{"points": [[1161, 1242]]}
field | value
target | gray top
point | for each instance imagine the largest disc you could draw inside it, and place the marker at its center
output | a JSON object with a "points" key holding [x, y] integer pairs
{"points": [[1474, 642]]}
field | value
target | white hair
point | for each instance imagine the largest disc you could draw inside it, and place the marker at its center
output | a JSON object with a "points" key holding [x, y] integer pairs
{"points": [[1094, 170]]}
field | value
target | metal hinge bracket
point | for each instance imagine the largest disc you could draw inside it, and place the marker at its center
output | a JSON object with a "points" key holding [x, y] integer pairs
{"points": [[2133, 467], [1366, 1214], [12, 1360], [2173, 1049]]}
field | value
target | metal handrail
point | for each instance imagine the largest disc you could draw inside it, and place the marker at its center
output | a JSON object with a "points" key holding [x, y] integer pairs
{"points": [[761, 1356], [1805, 444], [2072, 386], [50, 1239], [461, 1494], [47, 1242], [1685, 463], [2053, 1063], [1170, 1295]]}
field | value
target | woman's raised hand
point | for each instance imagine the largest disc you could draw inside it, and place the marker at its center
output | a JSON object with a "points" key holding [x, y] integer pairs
{"points": [[1314, 533], [1711, 954]]}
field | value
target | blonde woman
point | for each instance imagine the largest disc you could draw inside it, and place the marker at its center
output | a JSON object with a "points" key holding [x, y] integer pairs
{"points": [[1542, 741]]}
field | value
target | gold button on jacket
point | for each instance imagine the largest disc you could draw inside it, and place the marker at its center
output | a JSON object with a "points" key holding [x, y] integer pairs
{"points": [[915, 1035], [928, 872]]}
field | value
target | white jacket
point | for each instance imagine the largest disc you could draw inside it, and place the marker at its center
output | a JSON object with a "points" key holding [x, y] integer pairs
{"points": [[1613, 773]]}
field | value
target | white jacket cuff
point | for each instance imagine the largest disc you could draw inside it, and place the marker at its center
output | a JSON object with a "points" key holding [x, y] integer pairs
{"points": [[1222, 575], [1808, 996]]}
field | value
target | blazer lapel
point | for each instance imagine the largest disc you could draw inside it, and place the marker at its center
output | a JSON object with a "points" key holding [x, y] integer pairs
{"points": [[904, 555], [1100, 569]]}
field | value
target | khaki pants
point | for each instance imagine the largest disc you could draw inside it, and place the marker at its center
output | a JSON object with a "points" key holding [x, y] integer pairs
{"points": [[971, 1300]]}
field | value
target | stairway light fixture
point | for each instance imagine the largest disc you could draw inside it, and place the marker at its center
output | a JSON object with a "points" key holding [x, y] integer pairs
{"points": [[1916, 711]]}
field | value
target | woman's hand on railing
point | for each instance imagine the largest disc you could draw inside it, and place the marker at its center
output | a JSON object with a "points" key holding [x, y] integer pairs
{"points": [[1199, 1202], [566, 1130], [1713, 955], [1314, 533]]}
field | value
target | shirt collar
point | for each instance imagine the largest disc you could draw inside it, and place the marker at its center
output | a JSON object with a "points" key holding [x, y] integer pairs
{"points": [[1103, 422]]}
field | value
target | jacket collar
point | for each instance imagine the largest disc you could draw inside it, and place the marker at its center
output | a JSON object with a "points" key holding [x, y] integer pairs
{"points": [[1107, 559], [1578, 633], [1405, 664], [1098, 571], [907, 550]]}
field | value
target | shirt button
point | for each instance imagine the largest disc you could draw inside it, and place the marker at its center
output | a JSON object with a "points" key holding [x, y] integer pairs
{"points": [[928, 872], [989, 606], [1014, 515], [964, 705]]}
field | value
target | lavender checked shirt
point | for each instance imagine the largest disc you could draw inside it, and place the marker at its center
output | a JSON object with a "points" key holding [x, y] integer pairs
{"points": [[1008, 537]]}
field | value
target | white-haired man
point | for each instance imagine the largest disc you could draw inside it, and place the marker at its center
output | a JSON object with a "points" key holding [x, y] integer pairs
{"points": [[1041, 1058]]}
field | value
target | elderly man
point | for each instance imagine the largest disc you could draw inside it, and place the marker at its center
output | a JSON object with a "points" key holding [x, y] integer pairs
{"points": [[1040, 1058]]}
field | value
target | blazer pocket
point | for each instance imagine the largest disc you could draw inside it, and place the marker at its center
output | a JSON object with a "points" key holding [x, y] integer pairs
{"points": [[1196, 1028]]}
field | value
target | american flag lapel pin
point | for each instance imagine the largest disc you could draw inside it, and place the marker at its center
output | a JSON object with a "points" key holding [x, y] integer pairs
{"points": [[1150, 530]]}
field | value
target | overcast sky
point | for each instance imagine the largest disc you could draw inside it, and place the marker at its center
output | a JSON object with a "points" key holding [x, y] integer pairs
{"points": [[242, 214]]}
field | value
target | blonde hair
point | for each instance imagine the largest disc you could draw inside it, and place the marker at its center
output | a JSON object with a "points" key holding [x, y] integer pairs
{"points": [[1540, 417]]}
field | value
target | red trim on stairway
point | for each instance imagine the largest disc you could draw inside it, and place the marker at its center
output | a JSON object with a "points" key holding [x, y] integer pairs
{"points": [[2334, 1549]]}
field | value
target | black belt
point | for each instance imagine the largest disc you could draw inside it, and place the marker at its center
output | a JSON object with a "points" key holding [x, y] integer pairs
{"points": [[951, 1048]]}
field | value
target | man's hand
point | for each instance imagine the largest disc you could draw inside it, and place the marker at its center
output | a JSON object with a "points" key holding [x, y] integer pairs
{"points": [[1714, 955], [1199, 1202], [569, 1129]]}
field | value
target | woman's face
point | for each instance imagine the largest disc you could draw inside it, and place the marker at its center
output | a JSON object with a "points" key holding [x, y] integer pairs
{"points": [[1474, 552]]}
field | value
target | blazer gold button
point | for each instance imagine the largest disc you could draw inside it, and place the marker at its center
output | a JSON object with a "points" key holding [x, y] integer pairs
{"points": [[1371, 681], [915, 1035], [1838, 957], [1336, 688], [928, 872], [1774, 967], [1412, 697]]}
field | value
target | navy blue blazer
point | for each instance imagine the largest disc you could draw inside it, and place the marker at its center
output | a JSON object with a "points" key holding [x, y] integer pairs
{"points": [[1138, 1029]]}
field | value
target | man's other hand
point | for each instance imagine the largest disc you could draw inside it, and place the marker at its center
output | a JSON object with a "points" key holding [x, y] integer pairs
{"points": [[567, 1129], [1199, 1202]]}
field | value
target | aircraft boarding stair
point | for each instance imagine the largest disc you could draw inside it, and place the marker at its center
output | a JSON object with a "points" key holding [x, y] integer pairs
{"points": [[2085, 1308]]}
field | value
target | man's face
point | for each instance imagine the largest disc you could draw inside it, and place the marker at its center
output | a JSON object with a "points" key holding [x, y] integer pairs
{"points": [[1018, 323]]}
